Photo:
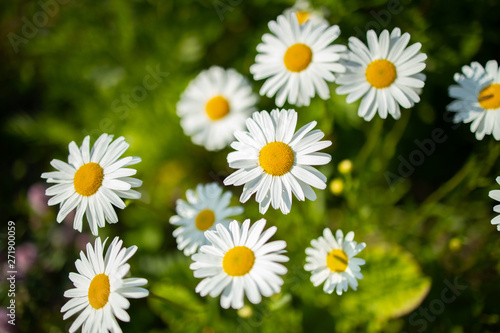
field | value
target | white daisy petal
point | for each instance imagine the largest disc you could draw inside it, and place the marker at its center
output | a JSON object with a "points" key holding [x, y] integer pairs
{"points": [[80, 319], [69, 204], [75, 157], [100, 147], [495, 194], [134, 292]]}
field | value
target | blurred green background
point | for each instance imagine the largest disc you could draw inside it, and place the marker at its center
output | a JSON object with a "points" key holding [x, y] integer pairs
{"points": [[66, 70]]}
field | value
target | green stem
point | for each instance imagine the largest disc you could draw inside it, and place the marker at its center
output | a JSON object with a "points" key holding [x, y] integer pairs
{"points": [[371, 141], [170, 302], [392, 139], [484, 168]]}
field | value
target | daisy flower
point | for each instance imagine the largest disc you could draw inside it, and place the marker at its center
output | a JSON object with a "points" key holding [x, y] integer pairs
{"points": [[331, 260], [306, 13], [93, 181], [214, 105], [495, 194], [101, 292], [239, 262], [274, 161], [386, 74], [205, 208], [478, 98], [297, 60]]}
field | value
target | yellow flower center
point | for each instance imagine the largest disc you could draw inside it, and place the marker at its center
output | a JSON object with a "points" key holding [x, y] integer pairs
{"points": [[276, 158], [337, 261], [381, 73], [205, 219], [99, 291], [238, 261], [302, 16], [297, 57], [217, 108], [489, 97], [88, 179]]}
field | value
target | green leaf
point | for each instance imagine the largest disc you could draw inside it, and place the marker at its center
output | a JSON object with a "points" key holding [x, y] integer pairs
{"points": [[393, 286]]}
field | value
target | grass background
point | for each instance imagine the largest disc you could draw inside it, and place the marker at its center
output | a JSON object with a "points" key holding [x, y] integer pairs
{"points": [[66, 78]]}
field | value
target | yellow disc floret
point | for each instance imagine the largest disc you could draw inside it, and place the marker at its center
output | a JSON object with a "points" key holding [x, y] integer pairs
{"points": [[88, 179], [238, 261], [99, 291], [302, 16], [217, 108], [381, 73], [297, 57], [276, 158], [337, 261], [205, 219], [489, 97]]}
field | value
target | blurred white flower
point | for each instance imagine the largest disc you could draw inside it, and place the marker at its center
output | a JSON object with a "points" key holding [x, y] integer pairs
{"points": [[478, 98], [214, 105], [205, 208]]}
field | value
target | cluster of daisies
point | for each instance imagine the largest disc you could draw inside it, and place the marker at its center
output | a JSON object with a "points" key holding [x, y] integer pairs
{"points": [[92, 182], [232, 260], [297, 60], [236, 260], [272, 159]]}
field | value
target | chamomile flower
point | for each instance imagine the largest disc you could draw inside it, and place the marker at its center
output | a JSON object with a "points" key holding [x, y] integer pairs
{"points": [[478, 98], [274, 161], [297, 60], [92, 181], [214, 105], [386, 74], [205, 208], [239, 261], [331, 260], [306, 13], [495, 194], [101, 291]]}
